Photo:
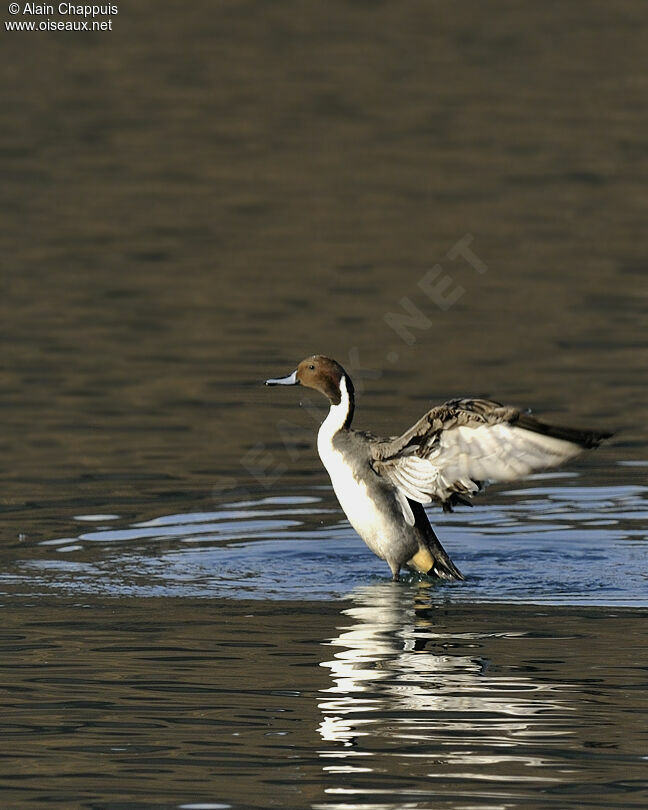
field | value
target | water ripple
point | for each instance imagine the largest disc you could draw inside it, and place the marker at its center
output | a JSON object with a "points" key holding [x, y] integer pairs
{"points": [[558, 543]]}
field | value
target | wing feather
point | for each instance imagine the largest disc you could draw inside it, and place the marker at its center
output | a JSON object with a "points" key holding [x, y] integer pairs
{"points": [[458, 446]]}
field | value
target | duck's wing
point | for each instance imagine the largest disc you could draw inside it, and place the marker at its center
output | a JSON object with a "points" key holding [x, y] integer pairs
{"points": [[459, 446]]}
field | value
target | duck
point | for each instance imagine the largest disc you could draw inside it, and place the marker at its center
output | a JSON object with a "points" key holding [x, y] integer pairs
{"points": [[446, 457]]}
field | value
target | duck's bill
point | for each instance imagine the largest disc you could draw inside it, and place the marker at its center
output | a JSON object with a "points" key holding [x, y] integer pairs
{"points": [[291, 379]]}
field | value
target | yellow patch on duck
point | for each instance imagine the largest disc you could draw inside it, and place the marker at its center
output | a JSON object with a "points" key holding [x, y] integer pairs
{"points": [[422, 560]]}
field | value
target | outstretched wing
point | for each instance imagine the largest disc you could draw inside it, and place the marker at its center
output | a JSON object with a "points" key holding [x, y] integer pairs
{"points": [[457, 447]]}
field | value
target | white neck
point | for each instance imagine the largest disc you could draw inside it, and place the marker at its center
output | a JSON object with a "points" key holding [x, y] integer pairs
{"points": [[337, 415]]}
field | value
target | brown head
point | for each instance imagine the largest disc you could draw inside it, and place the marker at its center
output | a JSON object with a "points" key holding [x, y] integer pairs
{"points": [[320, 373]]}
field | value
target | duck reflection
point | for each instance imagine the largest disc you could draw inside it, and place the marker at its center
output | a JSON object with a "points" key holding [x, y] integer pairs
{"points": [[409, 693]]}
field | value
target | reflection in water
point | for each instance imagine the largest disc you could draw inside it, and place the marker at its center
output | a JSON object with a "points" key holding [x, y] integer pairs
{"points": [[403, 688]]}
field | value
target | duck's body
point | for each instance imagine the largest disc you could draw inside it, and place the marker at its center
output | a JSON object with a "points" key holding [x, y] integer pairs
{"points": [[446, 456], [374, 506]]}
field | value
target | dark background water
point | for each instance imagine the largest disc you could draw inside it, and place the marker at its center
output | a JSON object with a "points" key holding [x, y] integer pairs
{"points": [[194, 201]]}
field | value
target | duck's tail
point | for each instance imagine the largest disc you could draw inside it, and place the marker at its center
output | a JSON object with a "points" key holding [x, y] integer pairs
{"points": [[431, 558], [435, 563]]}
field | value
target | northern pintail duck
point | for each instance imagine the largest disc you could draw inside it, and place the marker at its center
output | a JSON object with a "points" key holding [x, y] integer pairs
{"points": [[446, 457]]}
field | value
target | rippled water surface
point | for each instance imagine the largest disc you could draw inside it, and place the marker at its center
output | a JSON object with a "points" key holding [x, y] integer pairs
{"points": [[450, 199], [392, 697], [550, 541]]}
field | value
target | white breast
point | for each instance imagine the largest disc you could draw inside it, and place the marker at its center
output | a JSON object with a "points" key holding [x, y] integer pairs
{"points": [[352, 494]]}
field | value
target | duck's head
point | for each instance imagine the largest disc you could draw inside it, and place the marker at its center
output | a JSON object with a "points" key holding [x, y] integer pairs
{"points": [[318, 372]]}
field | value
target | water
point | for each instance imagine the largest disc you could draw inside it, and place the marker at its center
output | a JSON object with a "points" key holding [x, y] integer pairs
{"points": [[549, 541], [390, 698], [191, 204], [258, 656]]}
